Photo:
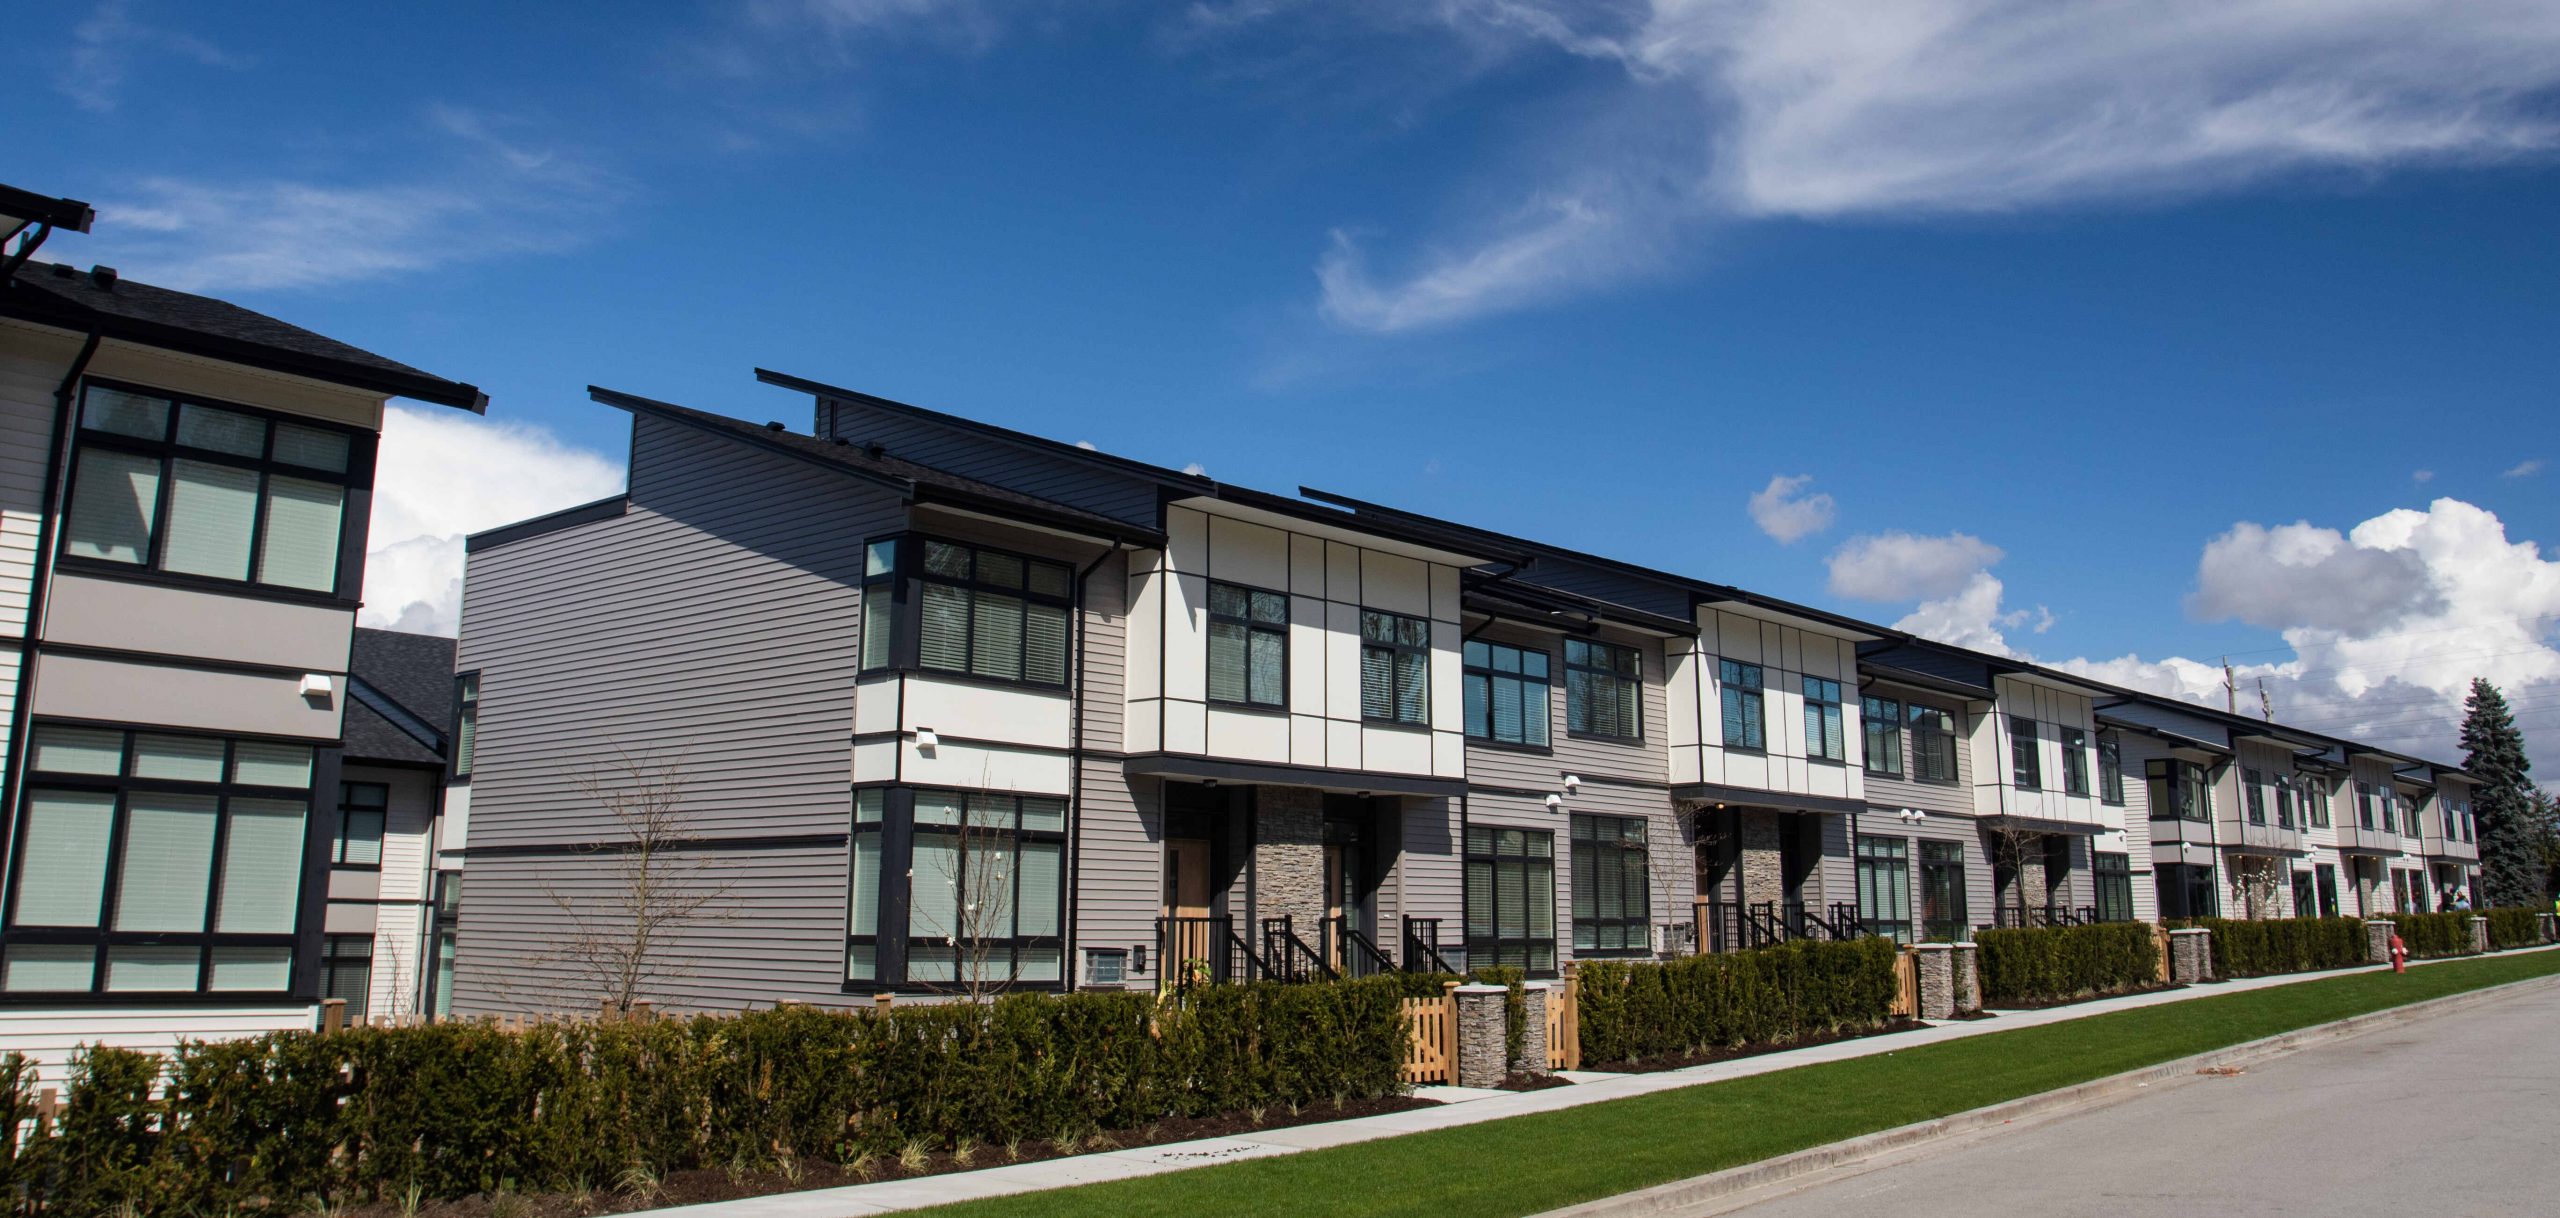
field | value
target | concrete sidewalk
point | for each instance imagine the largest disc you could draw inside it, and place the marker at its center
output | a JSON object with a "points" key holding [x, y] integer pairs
{"points": [[1461, 1106]]}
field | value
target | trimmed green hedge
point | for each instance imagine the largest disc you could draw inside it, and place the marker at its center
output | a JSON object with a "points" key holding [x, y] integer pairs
{"points": [[1637, 1009], [2514, 927], [2059, 963], [271, 1123], [2434, 934], [2255, 948]]}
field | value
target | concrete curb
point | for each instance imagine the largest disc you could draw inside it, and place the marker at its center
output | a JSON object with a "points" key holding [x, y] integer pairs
{"points": [[1684, 1195]]}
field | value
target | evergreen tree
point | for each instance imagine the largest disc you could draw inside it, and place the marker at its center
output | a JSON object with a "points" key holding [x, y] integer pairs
{"points": [[2511, 862]]}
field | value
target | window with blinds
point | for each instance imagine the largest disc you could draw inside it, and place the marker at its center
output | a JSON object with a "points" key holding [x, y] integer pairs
{"points": [[1604, 690], [157, 862], [952, 887], [466, 722], [1611, 895], [1933, 743], [1248, 646], [1395, 668], [1511, 899], [1942, 892], [1825, 730], [346, 971], [211, 492], [362, 807], [1506, 693], [975, 611], [1884, 886], [2114, 886], [1880, 722]]}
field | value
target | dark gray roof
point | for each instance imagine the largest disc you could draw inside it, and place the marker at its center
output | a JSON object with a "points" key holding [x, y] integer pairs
{"points": [[413, 675], [122, 308]]}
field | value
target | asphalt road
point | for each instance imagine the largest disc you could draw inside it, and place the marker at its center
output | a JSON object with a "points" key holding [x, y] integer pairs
{"points": [[2453, 1116]]}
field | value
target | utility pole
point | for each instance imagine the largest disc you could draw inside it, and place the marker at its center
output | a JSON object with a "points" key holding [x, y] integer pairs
{"points": [[2230, 688], [2266, 705]]}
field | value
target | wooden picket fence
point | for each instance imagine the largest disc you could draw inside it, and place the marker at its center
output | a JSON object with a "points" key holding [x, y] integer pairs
{"points": [[1431, 1052], [1906, 983]]}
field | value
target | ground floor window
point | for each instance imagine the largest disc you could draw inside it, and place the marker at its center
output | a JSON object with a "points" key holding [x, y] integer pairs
{"points": [[1610, 887], [2185, 890], [448, 913], [2325, 878], [2305, 895], [346, 971], [1511, 899], [1884, 886], [1942, 903], [2114, 875], [955, 888]]}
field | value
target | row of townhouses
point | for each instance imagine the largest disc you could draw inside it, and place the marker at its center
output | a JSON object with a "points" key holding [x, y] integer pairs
{"points": [[940, 703]]}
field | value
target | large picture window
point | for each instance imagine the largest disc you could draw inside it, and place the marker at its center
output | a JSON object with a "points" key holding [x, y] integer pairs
{"points": [[1933, 744], [1610, 891], [1395, 668], [1745, 712], [156, 862], [1507, 694], [2179, 790], [2114, 876], [943, 606], [1511, 898], [220, 493], [951, 888], [1604, 690], [1248, 646], [1884, 886], [1825, 729], [2026, 766], [1880, 720], [1942, 892]]}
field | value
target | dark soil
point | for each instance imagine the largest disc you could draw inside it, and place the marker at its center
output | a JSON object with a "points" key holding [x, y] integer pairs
{"points": [[1970, 1016], [1531, 1082], [694, 1187], [1655, 1065], [2072, 1002]]}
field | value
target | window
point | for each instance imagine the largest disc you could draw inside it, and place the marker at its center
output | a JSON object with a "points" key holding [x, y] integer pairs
{"points": [[1506, 693], [2253, 795], [210, 492], [1744, 727], [2026, 769], [2452, 830], [1933, 744], [466, 722], [2110, 769], [1106, 966], [1881, 721], [1824, 738], [2390, 811], [2284, 801], [157, 862], [2075, 761], [2114, 876], [1610, 890], [947, 607], [2315, 800], [2470, 824], [2179, 791], [361, 806], [1511, 899], [1942, 903], [1248, 646], [1395, 668], [952, 887], [2184, 890], [346, 971], [448, 932], [1603, 690], [1884, 886]]}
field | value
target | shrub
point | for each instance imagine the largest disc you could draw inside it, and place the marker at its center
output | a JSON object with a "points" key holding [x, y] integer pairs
{"points": [[1637, 1009], [2255, 948], [2060, 963], [2434, 934], [2513, 927]]}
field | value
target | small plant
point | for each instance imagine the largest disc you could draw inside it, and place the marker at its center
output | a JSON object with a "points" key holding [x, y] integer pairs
{"points": [[789, 1165], [1256, 1113], [737, 1168], [913, 1157], [1103, 1141], [1153, 1131], [864, 1165], [507, 1203], [1293, 1110], [637, 1179], [411, 1200], [964, 1152], [1013, 1150], [1068, 1141]]}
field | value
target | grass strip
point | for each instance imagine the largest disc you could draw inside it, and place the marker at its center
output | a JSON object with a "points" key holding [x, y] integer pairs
{"points": [[1523, 1165]]}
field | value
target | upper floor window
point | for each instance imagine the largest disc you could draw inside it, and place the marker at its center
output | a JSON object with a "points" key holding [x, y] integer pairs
{"points": [[2075, 761], [1395, 668], [157, 862], [1744, 714], [2366, 797], [2315, 800], [1506, 691], [2283, 784], [1603, 690], [2026, 768], [361, 809], [210, 492], [1933, 743], [1248, 646], [948, 607], [2179, 791], [1825, 732], [2253, 795], [1881, 720], [2452, 830], [2110, 769], [466, 722]]}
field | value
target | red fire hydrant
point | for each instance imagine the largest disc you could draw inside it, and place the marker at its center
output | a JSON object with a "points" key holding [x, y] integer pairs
{"points": [[2399, 954]]}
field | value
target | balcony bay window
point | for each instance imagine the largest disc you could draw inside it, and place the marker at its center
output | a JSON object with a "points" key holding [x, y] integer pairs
{"points": [[1825, 736], [1507, 694], [955, 888], [210, 493], [1395, 668], [1511, 898], [1745, 713], [1933, 744], [1881, 720], [1248, 646], [1604, 688], [1610, 888], [154, 862], [943, 606]]}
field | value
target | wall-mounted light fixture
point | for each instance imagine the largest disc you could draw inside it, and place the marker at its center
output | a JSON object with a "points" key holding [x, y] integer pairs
{"points": [[1572, 783], [1555, 802]]}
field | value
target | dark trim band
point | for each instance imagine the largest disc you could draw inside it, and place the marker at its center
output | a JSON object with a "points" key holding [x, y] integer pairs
{"points": [[1175, 765]]}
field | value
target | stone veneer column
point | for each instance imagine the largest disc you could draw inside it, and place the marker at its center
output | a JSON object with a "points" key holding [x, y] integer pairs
{"points": [[1764, 870], [2190, 956], [1482, 1037], [2550, 927], [2377, 941], [2032, 892], [2479, 935], [1937, 980], [1968, 979], [1534, 997], [1288, 861]]}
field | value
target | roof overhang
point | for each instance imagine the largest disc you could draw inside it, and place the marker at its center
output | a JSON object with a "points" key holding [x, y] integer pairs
{"points": [[1802, 617], [1773, 801], [1923, 681], [19, 208], [1255, 773], [27, 306], [2045, 825], [1332, 524], [2176, 739], [1537, 606]]}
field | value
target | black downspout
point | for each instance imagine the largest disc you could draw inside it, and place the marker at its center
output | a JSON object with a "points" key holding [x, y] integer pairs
{"points": [[1075, 781], [48, 527]]}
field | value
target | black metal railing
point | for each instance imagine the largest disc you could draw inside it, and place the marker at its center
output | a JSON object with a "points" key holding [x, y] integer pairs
{"points": [[1728, 926], [1351, 952], [1422, 947], [1288, 957], [2014, 917]]}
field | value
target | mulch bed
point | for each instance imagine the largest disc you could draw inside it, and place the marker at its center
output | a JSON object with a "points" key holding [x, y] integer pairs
{"points": [[2020, 1005], [1969, 1016], [1655, 1065], [1531, 1082], [694, 1187]]}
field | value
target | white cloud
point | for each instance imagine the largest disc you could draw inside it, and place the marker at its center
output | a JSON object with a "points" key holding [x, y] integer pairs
{"points": [[2524, 469], [1969, 616], [2299, 575], [1088, 446], [1785, 512], [488, 197], [1196, 470], [1898, 566], [1810, 109], [2422, 477], [443, 475], [105, 44]]}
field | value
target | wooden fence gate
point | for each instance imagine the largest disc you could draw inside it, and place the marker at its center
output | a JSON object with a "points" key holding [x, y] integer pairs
{"points": [[1431, 1053], [1906, 983]]}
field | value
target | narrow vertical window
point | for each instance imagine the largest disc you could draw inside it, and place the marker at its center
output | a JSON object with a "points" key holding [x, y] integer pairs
{"points": [[1933, 744], [1880, 723], [1395, 668], [466, 722], [2110, 769], [2075, 761], [1942, 892], [1610, 890], [2026, 768], [1745, 714], [1248, 646], [1884, 886], [362, 806], [1824, 729], [1511, 899]]}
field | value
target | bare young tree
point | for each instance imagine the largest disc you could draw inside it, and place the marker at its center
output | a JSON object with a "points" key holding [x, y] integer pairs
{"points": [[2012, 849], [1672, 857], [2255, 884], [969, 872], [619, 934]]}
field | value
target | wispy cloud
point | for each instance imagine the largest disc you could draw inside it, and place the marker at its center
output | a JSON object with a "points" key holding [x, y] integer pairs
{"points": [[105, 45], [1838, 110], [1784, 511], [2524, 469], [489, 195], [2422, 476]]}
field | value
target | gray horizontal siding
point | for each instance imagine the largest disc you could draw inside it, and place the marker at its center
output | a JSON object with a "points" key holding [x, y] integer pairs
{"points": [[1977, 859], [1055, 477], [1645, 761], [1119, 861], [1936, 799]]}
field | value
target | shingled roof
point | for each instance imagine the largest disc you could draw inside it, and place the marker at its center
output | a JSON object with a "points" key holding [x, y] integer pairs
{"points": [[400, 700]]}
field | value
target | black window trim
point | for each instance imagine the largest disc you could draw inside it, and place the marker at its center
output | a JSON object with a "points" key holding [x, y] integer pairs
{"points": [[891, 935], [1611, 849], [1758, 690], [338, 841], [1867, 723], [1395, 649], [1469, 672], [1251, 627], [1954, 735], [1805, 686], [1468, 858], [458, 767], [2023, 730], [905, 580], [2075, 760], [1635, 679], [2110, 750]]}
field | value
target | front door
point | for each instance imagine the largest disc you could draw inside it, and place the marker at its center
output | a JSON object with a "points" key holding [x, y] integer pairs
{"points": [[1190, 937], [2328, 890]]}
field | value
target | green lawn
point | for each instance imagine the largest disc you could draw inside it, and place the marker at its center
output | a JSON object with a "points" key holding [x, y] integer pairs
{"points": [[1523, 1165]]}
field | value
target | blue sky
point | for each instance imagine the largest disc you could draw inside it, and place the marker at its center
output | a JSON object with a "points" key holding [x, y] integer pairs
{"points": [[2091, 289]]}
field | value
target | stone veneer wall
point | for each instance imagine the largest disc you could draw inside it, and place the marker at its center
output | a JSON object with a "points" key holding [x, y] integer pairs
{"points": [[1763, 871], [1288, 859]]}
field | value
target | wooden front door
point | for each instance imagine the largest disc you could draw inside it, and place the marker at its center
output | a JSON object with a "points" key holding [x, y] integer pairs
{"points": [[1189, 935]]}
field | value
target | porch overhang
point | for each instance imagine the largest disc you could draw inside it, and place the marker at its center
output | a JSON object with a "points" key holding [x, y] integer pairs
{"points": [[2370, 852], [2039, 824], [1772, 801], [2263, 850], [1190, 768]]}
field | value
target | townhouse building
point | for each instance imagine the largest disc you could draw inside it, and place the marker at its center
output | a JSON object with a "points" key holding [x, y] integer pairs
{"points": [[184, 489], [384, 944]]}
